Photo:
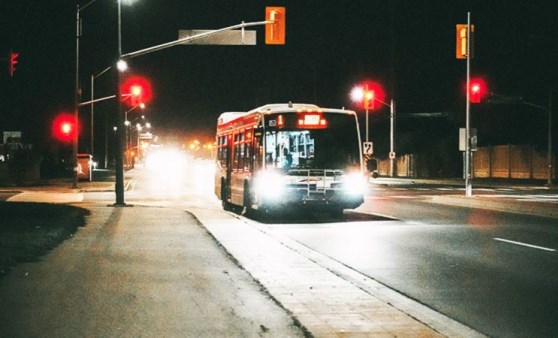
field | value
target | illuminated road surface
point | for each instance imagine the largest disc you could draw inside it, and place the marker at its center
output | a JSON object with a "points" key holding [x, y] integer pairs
{"points": [[493, 271]]}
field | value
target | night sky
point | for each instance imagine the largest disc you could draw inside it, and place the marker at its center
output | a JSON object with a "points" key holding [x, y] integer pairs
{"points": [[408, 46]]}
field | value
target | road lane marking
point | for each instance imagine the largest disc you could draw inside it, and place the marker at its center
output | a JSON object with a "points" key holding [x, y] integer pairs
{"points": [[524, 244]]}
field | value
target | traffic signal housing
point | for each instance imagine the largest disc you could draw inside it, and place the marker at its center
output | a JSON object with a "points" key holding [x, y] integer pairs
{"points": [[136, 94], [368, 99], [64, 127], [12, 62], [136, 90], [275, 31], [369, 95], [477, 90]]}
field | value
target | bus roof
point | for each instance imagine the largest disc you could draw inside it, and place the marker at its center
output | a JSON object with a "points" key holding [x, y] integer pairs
{"points": [[230, 116], [284, 106], [227, 117], [296, 107]]}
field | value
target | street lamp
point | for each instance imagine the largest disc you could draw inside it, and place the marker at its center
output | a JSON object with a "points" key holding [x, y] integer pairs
{"points": [[120, 132]]}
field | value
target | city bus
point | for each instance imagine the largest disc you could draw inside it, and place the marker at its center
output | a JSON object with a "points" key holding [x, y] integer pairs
{"points": [[282, 156]]}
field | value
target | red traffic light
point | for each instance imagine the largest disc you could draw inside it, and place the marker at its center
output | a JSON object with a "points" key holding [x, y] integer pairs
{"points": [[369, 94], [369, 98], [136, 93], [64, 127], [477, 90], [136, 90], [12, 57]]}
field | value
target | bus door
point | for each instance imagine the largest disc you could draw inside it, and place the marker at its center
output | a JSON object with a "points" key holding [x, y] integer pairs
{"points": [[258, 153], [228, 168]]}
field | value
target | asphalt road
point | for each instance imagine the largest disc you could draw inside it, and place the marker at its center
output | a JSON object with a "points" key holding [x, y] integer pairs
{"points": [[495, 272]]}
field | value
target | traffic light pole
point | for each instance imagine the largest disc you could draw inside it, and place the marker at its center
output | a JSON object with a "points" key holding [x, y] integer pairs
{"points": [[120, 134], [76, 108], [468, 172], [120, 123], [549, 152], [366, 124], [392, 138]]}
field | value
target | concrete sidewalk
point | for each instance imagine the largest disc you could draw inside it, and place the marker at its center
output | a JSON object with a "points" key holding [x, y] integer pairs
{"points": [[154, 271], [138, 272], [326, 297]]}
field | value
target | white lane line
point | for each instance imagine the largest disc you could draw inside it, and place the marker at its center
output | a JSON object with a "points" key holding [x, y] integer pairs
{"points": [[524, 244]]}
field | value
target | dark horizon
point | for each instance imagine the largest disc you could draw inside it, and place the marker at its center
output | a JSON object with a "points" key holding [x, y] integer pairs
{"points": [[329, 49]]}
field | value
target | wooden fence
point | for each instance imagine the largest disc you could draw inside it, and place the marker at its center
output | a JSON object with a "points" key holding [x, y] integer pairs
{"points": [[501, 161]]}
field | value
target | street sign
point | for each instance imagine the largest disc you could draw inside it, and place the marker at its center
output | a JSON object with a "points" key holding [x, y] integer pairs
{"points": [[230, 38], [463, 139], [367, 148]]}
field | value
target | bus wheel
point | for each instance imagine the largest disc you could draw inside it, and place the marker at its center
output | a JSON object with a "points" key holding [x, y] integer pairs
{"points": [[247, 200], [336, 212], [226, 205]]}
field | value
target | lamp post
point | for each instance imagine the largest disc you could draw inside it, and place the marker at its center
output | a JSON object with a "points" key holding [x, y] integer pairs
{"points": [[77, 95], [121, 127], [549, 153], [93, 77], [392, 138], [468, 154]]}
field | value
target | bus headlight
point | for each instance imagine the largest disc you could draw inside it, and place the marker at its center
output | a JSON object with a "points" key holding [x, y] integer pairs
{"points": [[354, 184], [269, 185]]}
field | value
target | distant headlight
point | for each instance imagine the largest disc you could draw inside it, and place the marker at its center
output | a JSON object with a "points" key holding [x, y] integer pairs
{"points": [[354, 183], [269, 185]]}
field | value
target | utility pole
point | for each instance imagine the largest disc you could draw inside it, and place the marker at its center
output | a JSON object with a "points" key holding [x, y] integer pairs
{"points": [[392, 138], [120, 124], [468, 171], [549, 154]]}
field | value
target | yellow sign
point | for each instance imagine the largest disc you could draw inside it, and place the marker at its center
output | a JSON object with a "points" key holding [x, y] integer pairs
{"points": [[461, 41], [275, 31]]}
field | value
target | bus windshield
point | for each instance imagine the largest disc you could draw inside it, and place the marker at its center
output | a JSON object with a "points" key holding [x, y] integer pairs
{"points": [[334, 146]]}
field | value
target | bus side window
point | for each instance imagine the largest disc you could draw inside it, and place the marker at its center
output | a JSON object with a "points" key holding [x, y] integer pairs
{"points": [[256, 152], [236, 152], [222, 151]]}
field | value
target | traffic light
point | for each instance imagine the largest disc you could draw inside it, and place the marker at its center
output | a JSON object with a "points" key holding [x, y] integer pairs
{"points": [[369, 98], [368, 95], [136, 90], [275, 32], [64, 127], [12, 59], [136, 94], [477, 90]]}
